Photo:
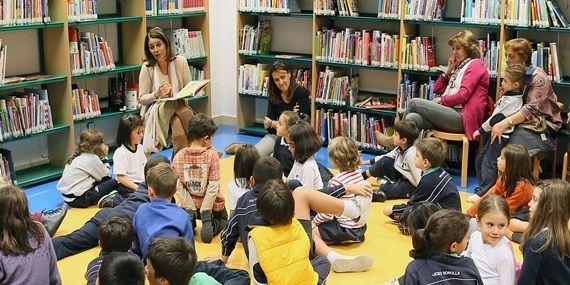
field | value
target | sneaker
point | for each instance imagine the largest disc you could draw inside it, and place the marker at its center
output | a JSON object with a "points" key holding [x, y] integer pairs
{"points": [[107, 200], [473, 198], [379, 196], [233, 148], [363, 204], [207, 232], [357, 263], [52, 219]]}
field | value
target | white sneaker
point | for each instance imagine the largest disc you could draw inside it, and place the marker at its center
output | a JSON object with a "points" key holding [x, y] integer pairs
{"points": [[357, 263], [363, 203], [473, 198]]}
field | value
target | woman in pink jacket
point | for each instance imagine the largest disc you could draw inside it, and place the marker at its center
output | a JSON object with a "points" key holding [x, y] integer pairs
{"points": [[463, 91]]}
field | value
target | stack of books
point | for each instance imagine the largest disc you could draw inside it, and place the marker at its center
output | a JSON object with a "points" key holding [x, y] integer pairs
{"points": [[85, 103], [272, 6], [419, 53], [253, 79], [414, 89], [25, 113], [389, 9], [160, 7], [490, 50], [481, 12], [364, 47], [545, 56], [187, 43], [426, 10], [335, 88], [89, 53], [24, 12], [255, 39], [81, 10]]}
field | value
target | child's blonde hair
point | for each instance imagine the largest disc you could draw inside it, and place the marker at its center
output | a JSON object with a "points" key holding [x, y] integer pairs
{"points": [[90, 141], [343, 152]]}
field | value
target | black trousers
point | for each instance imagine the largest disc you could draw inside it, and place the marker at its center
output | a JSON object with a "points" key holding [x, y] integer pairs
{"points": [[99, 189], [398, 187]]}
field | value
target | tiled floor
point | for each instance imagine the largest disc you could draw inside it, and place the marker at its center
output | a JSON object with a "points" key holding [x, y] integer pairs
{"points": [[46, 196]]}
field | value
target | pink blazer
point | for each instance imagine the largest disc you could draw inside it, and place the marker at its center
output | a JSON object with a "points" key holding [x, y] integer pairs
{"points": [[471, 95]]}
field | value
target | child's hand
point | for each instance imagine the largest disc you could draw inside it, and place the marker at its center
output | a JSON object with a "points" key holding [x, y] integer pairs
{"points": [[476, 134], [388, 211], [364, 189], [216, 257], [266, 123]]}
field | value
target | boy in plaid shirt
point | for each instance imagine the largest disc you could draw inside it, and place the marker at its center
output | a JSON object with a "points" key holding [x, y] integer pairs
{"points": [[198, 167]]}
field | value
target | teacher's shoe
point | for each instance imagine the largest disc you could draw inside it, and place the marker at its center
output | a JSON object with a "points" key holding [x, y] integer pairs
{"points": [[233, 148], [384, 140]]}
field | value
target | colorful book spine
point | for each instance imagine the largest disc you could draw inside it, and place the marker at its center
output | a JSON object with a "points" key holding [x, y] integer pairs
{"points": [[490, 50], [418, 53], [81, 10], [255, 39], [85, 103], [253, 79], [482, 11], [334, 87], [165, 7], [189, 44], [25, 113], [89, 53], [425, 10], [324, 7], [266, 6], [389, 9], [414, 89], [23, 12], [545, 56]]}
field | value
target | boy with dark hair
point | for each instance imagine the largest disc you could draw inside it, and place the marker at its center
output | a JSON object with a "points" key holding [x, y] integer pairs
{"points": [[173, 260], [436, 185], [198, 167], [397, 165], [160, 217], [121, 268], [116, 234]]}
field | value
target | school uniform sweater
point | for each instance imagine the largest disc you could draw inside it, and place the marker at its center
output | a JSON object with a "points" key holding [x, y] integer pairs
{"points": [[517, 200], [246, 215], [436, 186], [442, 269], [543, 267], [405, 163]]}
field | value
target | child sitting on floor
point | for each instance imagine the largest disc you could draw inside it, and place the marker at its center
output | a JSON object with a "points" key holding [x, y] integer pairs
{"points": [[86, 178], [398, 166], [198, 167], [246, 157], [436, 185]]}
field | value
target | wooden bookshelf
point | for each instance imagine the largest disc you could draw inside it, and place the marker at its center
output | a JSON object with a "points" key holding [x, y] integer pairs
{"points": [[131, 26]]}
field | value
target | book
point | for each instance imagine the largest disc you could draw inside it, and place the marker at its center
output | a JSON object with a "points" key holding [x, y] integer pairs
{"points": [[190, 90]]}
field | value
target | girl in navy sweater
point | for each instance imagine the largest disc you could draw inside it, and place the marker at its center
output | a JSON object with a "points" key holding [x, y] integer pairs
{"points": [[546, 245], [436, 252]]}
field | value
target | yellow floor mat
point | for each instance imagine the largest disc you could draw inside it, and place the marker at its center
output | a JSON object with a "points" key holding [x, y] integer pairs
{"points": [[383, 241]]}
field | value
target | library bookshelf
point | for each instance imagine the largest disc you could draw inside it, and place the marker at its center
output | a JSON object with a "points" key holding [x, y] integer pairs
{"points": [[131, 24]]}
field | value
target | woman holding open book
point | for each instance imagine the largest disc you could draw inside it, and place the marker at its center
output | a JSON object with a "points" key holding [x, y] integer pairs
{"points": [[162, 75], [537, 122], [284, 95]]}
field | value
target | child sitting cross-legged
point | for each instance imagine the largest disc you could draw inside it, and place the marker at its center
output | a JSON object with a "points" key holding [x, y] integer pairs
{"points": [[198, 167], [436, 185], [335, 229], [116, 234], [398, 166], [172, 261], [160, 217]]}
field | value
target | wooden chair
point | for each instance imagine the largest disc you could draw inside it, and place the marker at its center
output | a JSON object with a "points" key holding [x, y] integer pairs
{"points": [[564, 166], [465, 150]]}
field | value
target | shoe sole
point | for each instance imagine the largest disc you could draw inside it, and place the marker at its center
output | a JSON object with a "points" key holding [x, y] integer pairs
{"points": [[352, 264], [207, 233], [102, 201]]}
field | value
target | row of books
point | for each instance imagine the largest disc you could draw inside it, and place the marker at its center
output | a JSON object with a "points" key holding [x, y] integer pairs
{"points": [[255, 39], [481, 12], [357, 47], [324, 7], [347, 8], [358, 126], [269, 6], [414, 89], [197, 73], [25, 113], [426, 10], [7, 171], [3, 58], [81, 10], [189, 44], [490, 50], [85, 103], [161, 7], [545, 56], [418, 53], [303, 77], [389, 9], [24, 12], [254, 78], [534, 13], [89, 53], [334, 87]]}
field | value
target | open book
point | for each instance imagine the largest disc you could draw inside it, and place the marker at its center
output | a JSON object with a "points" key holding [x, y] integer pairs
{"points": [[190, 90]]}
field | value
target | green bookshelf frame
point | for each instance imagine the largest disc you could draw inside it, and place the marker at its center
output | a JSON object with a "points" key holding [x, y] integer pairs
{"points": [[106, 19], [31, 26], [175, 16]]}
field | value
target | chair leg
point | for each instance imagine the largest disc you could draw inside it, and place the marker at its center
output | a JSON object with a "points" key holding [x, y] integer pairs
{"points": [[565, 166], [554, 161], [536, 167], [464, 162]]}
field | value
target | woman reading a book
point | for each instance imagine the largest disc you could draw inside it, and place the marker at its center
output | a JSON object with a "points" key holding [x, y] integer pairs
{"points": [[162, 75], [284, 95], [536, 123]]}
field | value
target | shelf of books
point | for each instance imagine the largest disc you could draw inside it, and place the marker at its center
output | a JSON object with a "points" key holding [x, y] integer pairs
{"points": [[77, 63]]}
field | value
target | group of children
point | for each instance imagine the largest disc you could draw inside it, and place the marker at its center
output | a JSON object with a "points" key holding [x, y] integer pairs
{"points": [[287, 210]]}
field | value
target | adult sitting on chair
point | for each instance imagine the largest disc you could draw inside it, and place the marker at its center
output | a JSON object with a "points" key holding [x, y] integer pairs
{"points": [[536, 124], [463, 88]]}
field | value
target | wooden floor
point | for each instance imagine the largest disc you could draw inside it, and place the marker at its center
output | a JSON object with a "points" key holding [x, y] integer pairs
{"points": [[383, 241]]}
